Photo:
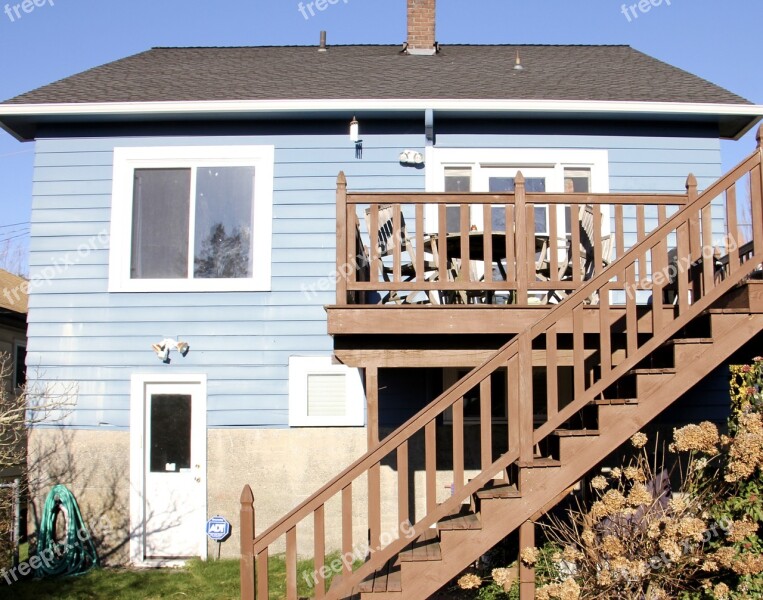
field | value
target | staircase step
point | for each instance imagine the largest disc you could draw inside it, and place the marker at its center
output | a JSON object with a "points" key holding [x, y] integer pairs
{"points": [[575, 432], [539, 463], [426, 547], [498, 491], [337, 580], [680, 341], [464, 519], [659, 371], [386, 579], [616, 401]]}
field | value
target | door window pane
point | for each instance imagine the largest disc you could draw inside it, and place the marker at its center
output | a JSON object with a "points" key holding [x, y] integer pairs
{"points": [[456, 180], [170, 428], [161, 205], [534, 185], [224, 220]]}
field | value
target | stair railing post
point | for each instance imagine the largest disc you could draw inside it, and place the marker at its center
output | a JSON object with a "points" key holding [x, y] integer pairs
{"points": [[526, 572], [246, 532]]}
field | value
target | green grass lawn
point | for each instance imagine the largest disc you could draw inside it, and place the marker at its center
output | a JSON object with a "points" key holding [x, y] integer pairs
{"points": [[213, 580]]}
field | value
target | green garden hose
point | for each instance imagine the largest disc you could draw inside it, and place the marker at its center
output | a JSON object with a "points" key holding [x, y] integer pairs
{"points": [[73, 555]]}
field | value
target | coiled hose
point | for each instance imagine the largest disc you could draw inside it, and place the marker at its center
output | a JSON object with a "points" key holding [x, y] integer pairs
{"points": [[76, 554]]}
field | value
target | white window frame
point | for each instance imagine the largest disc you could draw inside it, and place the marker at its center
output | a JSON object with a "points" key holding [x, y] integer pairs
{"points": [[479, 159], [126, 160], [300, 367]]}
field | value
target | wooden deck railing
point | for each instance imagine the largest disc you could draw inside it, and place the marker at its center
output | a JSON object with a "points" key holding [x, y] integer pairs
{"points": [[646, 267], [413, 265]]}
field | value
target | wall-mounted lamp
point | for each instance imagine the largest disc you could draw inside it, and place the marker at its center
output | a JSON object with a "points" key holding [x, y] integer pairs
{"points": [[355, 137], [411, 157], [164, 347]]}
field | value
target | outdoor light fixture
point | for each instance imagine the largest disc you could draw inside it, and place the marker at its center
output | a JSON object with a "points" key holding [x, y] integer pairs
{"points": [[355, 137], [164, 347], [411, 157]]}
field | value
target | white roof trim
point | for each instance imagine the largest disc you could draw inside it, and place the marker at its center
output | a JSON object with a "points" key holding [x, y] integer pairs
{"points": [[313, 106]]}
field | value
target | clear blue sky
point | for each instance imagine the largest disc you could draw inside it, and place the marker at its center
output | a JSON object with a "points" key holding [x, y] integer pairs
{"points": [[715, 39]]}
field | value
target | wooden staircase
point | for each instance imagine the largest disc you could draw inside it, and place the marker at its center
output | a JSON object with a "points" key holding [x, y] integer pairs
{"points": [[700, 311]]}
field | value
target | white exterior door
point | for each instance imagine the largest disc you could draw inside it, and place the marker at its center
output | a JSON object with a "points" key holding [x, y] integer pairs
{"points": [[170, 510]]}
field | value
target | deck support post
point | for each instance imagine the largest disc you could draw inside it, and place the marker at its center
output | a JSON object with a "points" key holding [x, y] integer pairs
{"points": [[526, 574]]}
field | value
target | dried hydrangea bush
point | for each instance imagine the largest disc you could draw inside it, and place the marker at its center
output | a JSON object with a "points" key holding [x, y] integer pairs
{"points": [[640, 540]]}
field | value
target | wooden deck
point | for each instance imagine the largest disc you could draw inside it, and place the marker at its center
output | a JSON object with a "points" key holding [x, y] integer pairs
{"points": [[628, 364]]}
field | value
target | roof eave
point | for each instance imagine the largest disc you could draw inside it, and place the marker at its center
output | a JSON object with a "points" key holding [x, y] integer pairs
{"points": [[20, 120]]}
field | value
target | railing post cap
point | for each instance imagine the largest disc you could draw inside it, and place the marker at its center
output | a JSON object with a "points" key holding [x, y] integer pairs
{"points": [[341, 178], [247, 497], [691, 181], [519, 178]]}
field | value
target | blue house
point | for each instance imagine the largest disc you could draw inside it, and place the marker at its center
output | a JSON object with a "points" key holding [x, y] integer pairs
{"points": [[215, 270]]}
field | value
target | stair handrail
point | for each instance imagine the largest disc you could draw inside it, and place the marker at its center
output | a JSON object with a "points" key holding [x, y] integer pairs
{"points": [[500, 359]]}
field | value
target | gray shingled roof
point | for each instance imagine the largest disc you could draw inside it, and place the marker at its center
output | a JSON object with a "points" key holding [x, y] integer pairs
{"points": [[616, 73]]}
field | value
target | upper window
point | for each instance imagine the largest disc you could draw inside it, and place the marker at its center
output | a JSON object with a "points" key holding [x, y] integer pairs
{"points": [[191, 219]]}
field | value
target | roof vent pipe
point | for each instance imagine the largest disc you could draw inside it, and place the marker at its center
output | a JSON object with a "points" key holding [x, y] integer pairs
{"points": [[322, 47]]}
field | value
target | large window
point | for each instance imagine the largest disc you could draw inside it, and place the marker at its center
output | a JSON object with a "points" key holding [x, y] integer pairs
{"points": [[191, 219]]}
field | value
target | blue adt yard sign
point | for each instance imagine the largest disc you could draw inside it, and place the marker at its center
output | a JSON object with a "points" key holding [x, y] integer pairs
{"points": [[218, 528]]}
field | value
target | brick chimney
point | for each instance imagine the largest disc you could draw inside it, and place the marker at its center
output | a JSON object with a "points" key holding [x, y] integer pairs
{"points": [[421, 27]]}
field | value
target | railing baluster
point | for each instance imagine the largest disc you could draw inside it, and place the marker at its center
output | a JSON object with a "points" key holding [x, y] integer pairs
{"points": [[525, 398], [640, 235], [458, 444], [619, 235], [707, 252], [575, 242], [420, 270], [597, 241], [695, 244], [552, 373], [487, 241], [683, 267], [347, 526], [291, 564], [511, 264], [578, 351], [373, 235], [374, 506], [397, 242], [403, 515], [486, 423], [430, 460], [631, 317], [319, 552], [442, 243], [605, 339], [553, 244], [530, 243], [732, 229], [659, 278], [512, 398], [465, 269], [342, 242], [262, 575]]}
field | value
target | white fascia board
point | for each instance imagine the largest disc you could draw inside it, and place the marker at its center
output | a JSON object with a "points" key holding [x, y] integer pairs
{"points": [[318, 106]]}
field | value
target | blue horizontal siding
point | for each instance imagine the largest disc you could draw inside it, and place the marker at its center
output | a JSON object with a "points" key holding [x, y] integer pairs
{"points": [[241, 341]]}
